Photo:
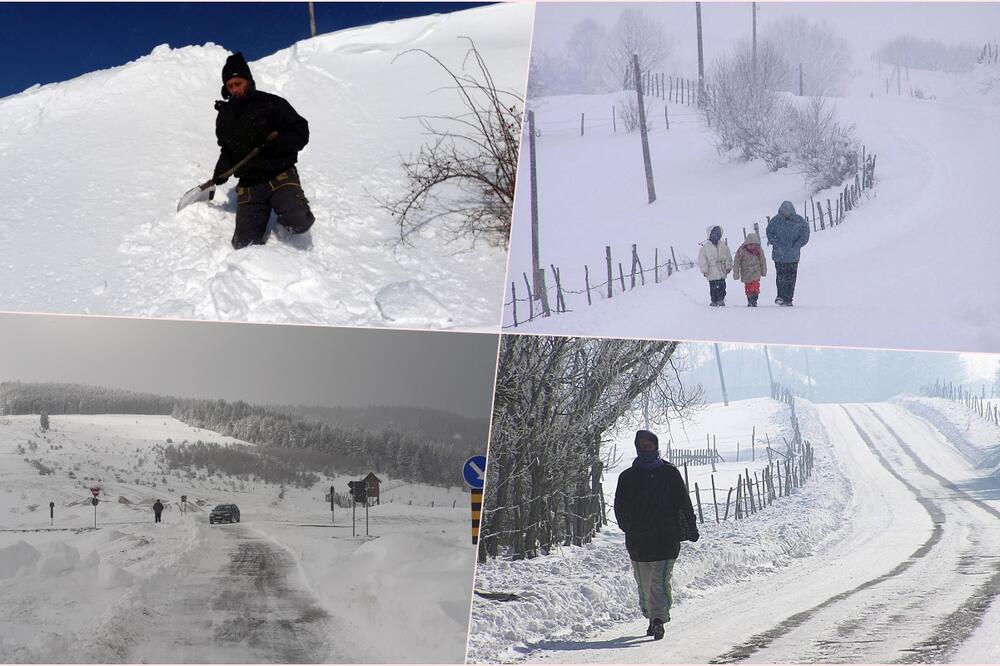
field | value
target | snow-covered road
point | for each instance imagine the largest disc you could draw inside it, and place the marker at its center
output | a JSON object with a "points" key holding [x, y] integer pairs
{"points": [[914, 577], [238, 599]]}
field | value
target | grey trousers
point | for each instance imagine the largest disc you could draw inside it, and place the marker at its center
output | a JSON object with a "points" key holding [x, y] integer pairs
{"points": [[653, 579], [282, 194]]}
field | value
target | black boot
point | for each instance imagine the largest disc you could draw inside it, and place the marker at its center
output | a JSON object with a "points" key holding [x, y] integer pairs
{"points": [[657, 628], [753, 300]]}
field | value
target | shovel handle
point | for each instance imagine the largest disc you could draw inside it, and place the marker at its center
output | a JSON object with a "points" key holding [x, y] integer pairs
{"points": [[249, 156]]}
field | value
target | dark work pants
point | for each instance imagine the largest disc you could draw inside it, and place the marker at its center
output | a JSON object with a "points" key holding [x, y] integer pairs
{"points": [[254, 204], [718, 290], [157, 517], [787, 273]]}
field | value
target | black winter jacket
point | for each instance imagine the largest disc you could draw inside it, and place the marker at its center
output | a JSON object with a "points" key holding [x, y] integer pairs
{"points": [[646, 506], [243, 124]]}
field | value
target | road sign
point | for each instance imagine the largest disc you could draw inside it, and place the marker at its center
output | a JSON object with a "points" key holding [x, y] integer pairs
{"points": [[477, 512], [474, 471], [96, 490], [52, 513], [94, 501]]}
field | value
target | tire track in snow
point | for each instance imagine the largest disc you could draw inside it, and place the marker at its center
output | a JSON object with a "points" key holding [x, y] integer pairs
{"points": [[958, 626], [764, 639]]}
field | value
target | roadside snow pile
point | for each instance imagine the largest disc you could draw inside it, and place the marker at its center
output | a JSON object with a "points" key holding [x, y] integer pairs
{"points": [[111, 242], [577, 590], [17, 559], [977, 439]]}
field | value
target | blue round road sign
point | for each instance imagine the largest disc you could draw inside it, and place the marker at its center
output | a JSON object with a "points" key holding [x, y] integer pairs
{"points": [[474, 471]]}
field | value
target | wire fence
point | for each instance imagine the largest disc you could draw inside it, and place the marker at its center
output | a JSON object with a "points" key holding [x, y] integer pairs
{"points": [[986, 408], [990, 54]]}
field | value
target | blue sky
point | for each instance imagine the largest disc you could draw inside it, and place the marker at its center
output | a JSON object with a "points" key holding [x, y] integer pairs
{"points": [[55, 41]]}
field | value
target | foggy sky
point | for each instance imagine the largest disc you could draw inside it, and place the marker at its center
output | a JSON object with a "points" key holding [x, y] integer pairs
{"points": [[864, 25], [264, 364]]}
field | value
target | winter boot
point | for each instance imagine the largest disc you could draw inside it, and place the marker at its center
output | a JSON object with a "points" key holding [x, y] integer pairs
{"points": [[649, 629], [657, 626], [779, 301], [752, 298]]}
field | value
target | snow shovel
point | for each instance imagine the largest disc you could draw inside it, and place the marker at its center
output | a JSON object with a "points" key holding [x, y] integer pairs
{"points": [[206, 190]]}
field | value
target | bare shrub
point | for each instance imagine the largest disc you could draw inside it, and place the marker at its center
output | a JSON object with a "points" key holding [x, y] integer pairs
{"points": [[463, 178], [628, 111]]}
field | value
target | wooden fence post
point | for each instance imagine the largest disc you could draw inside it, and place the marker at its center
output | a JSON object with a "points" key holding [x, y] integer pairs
{"points": [[586, 277], [611, 277], [715, 501], [697, 496], [513, 297]]}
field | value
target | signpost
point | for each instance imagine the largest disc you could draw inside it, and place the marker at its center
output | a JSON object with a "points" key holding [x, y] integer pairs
{"points": [[474, 473], [95, 490], [333, 504], [52, 513], [184, 503]]}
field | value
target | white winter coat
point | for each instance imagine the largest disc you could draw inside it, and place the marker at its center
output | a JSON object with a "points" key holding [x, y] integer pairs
{"points": [[715, 261]]}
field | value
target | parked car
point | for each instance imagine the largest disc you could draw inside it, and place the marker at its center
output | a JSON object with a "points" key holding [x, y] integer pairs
{"points": [[224, 513]]}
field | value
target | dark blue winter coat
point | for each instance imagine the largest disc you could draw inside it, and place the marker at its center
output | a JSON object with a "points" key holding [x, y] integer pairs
{"points": [[787, 232], [647, 502]]}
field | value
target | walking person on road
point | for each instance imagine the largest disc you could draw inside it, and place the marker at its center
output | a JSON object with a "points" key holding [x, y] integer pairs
{"points": [[653, 508], [787, 232], [157, 510], [715, 261]]}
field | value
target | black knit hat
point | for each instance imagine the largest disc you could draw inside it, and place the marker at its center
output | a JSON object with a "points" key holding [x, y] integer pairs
{"points": [[236, 65], [645, 434]]}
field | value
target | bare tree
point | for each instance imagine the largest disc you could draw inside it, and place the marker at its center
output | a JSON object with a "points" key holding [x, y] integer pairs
{"points": [[636, 32], [463, 177]]}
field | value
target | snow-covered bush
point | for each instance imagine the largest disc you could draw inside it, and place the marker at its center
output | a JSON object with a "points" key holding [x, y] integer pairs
{"points": [[749, 117]]}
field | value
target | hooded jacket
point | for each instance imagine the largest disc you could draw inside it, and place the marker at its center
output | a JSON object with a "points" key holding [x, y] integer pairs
{"points": [[647, 502], [242, 124], [787, 232], [747, 266], [715, 261]]}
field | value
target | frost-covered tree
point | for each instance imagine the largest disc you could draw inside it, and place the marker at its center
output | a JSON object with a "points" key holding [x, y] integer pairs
{"points": [[557, 402], [824, 56], [636, 32], [586, 51], [930, 54], [44, 421]]}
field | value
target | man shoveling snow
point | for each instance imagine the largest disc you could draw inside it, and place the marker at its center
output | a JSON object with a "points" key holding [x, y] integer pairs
{"points": [[247, 121]]}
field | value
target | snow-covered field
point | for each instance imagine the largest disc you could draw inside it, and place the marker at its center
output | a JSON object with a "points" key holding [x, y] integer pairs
{"points": [[285, 585], [900, 272], [883, 555], [94, 167]]}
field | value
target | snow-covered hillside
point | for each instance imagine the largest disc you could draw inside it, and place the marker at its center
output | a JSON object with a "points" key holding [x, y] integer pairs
{"points": [[94, 167], [909, 268], [288, 584], [886, 554]]}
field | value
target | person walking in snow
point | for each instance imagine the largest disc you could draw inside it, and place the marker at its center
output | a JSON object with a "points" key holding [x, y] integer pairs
{"points": [[715, 262], [157, 510], [270, 180], [750, 265], [787, 232], [650, 501]]}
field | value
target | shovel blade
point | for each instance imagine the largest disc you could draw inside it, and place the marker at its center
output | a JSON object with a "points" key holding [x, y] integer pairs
{"points": [[196, 194]]}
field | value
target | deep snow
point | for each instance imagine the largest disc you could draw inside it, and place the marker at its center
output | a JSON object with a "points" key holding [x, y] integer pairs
{"points": [[94, 167], [902, 271], [185, 591]]}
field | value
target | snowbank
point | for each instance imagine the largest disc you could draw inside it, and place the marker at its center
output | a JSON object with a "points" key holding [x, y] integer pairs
{"points": [[977, 439]]}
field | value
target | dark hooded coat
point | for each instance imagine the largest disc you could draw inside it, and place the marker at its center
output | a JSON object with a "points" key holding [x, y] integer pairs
{"points": [[787, 232], [647, 502], [243, 124]]}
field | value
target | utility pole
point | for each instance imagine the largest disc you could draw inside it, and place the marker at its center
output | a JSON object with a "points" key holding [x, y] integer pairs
{"points": [[801, 87], [808, 374], [722, 379], [533, 171], [650, 189], [312, 20], [753, 10], [767, 358], [701, 59]]}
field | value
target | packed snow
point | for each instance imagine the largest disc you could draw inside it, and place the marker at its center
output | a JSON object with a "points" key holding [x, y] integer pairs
{"points": [[288, 584], [900, 271], [885, 554], [94, 168]]}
